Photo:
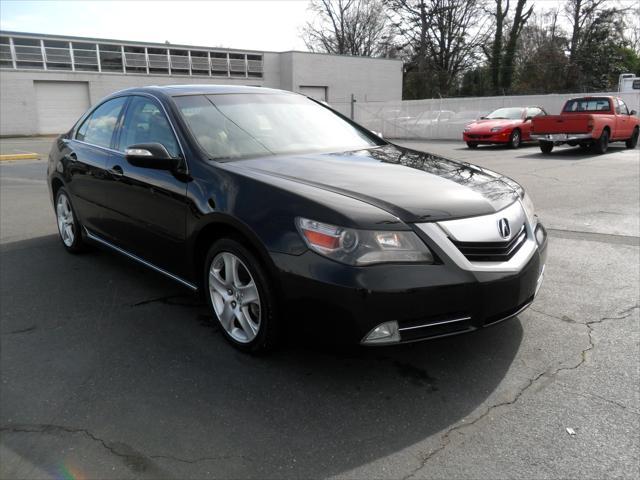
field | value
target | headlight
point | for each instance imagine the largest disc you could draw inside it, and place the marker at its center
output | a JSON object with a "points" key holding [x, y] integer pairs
{"points": [[496, 129], [529, 209], [362, 247], [467, 128]]}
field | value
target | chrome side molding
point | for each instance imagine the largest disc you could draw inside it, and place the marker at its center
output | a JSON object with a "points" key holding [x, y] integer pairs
{"points": [[104, 242]]}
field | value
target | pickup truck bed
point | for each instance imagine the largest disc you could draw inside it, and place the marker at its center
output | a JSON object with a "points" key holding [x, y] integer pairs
{"points": [[588, 122]]}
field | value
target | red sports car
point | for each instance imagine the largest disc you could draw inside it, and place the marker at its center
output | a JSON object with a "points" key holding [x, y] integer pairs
{"points": [[511, 126]]}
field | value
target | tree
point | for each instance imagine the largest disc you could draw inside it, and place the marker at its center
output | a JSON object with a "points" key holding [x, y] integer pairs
{"points": [[349, 27], [443, 37], [581, 15], [502, 55], [542, 62]]}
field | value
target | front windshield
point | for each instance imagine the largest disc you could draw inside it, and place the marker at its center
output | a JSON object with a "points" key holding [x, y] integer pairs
{"points": [[507, 113], [231, 126]]}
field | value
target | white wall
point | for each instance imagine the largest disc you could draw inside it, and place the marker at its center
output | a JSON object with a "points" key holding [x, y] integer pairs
{"points": [[420, 118], [368, 79], [18, 114]]}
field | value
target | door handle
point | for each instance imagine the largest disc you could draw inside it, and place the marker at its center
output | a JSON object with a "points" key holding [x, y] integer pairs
{"points": [[116, 171]]}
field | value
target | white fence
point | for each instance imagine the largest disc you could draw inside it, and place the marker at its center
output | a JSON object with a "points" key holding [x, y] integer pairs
{"points": [[446, 118]]}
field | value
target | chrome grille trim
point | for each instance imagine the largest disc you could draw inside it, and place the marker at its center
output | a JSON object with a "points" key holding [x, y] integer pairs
{"points": [[479, 229]]}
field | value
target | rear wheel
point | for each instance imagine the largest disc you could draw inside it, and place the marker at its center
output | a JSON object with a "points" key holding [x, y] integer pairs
{"points": [[241, 297], [68, 226], [472, 145], [515, 139], [633, 141], [602, 144], [546, 147]]}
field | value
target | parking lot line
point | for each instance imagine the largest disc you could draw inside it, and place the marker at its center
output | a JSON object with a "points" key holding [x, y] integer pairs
{"points": [[19, 156]]}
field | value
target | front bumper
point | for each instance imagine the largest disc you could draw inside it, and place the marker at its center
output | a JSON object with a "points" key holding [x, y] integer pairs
{"points": [[487, 137], [426, 301], [562, 137]]}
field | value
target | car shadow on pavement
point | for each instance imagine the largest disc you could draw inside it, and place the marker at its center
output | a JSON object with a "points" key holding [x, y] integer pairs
{"points": [[123, 374], [480, 148], [574, 153]]}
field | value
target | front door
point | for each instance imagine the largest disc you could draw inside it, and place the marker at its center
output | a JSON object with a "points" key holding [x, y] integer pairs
{"points": [[147, 207]]}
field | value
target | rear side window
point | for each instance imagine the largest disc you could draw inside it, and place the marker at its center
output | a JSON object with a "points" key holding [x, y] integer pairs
{"points": [[146, 123], [98, 128], [535, 112], [623, 108], [593, 104]]}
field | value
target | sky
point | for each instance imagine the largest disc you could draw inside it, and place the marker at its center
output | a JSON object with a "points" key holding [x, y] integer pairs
{"points": [[259, 25], [271, 25]]}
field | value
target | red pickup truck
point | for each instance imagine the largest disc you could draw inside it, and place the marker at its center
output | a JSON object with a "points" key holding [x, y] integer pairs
{"points": [[588, 122]]}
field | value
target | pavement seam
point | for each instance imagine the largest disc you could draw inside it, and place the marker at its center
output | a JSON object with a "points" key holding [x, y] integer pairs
{"points": [[111, 447], [445, 439]]}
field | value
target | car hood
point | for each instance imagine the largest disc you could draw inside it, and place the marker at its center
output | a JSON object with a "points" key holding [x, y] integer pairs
{"points": [[413, 186], [488, 124]]}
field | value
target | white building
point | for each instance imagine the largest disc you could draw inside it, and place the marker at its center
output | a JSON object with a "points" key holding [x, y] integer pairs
{"points": [[48, 81]]}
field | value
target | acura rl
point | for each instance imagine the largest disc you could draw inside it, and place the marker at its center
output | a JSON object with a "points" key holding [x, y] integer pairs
{"points": [[282, 211]]}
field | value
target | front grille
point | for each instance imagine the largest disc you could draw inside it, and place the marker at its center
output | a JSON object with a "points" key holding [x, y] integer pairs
{"points": [[492, 251]]}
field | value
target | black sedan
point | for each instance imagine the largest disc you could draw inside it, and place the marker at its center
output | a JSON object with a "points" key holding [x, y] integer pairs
{"points": [[286, 214]]}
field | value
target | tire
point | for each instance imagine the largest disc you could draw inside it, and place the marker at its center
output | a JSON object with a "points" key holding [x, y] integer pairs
{"points": [[515, 140], [250, 324], [633, 141], [472, 145], [584, 146], [601, 145], [546, 147], [69, 229]]}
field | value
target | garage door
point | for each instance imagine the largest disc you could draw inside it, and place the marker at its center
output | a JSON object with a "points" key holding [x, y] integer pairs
{"points": [[317, 93], [60, 104]]}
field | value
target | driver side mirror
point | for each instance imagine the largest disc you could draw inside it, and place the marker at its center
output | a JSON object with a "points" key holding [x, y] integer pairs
{"points": [[633, 112], [151, 155], [528, 119]]}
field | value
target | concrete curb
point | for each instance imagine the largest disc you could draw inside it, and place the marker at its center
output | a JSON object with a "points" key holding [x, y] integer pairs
{"points": [[19, 156]]}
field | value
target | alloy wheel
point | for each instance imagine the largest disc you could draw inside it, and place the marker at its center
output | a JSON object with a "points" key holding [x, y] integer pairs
{"points": [[235, 297], [66, 225]]}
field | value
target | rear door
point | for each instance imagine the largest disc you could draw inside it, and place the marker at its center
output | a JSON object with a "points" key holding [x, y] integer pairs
{"points": [[87, 155], [147, 207]]}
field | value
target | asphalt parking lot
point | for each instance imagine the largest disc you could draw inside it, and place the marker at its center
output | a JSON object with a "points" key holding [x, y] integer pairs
{"points": [[111, 371]]}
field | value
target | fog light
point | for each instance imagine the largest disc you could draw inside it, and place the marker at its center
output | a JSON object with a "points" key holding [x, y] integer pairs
{"points": [[541, 234], [384, 333]]}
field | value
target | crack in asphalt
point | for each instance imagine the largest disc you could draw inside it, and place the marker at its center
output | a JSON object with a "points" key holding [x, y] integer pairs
{"points": [[599, 397], [134, 460], [179, 300], [22, 330], [445, 440]]}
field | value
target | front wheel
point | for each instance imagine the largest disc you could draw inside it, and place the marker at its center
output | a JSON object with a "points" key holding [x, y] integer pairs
{"points": [[68, 225], [515, 139], [241, 297], [546, 147], [633, 141], [602, 144]]}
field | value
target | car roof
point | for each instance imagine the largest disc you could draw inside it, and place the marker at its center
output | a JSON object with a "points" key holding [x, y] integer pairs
{"points": [[204, 89]]}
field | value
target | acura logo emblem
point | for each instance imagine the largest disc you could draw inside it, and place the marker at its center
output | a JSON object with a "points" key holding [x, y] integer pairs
{"points": [[505, 229]]}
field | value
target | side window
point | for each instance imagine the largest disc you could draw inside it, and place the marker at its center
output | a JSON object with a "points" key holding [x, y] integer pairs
{"points": [[624, 110], [146, 123], [534, 112], [98, 128], [617, 105]]}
